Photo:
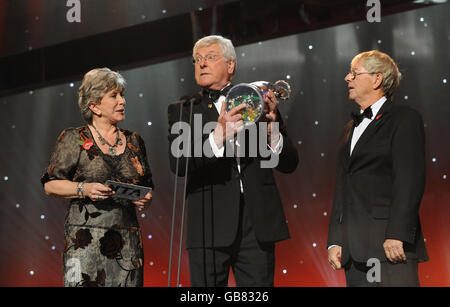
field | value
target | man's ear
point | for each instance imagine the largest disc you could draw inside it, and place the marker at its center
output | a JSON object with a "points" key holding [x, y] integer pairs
{"points": [[231, 65], [378, 81]]}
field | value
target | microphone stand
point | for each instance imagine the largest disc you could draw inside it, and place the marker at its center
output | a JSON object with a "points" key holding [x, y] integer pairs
{"points": [[191, 101]]}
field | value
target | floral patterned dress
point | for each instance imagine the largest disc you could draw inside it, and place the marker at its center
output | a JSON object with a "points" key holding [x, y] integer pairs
{"points": [[103, 244]]}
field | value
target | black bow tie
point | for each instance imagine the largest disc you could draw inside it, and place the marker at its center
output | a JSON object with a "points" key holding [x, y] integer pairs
{"points": [[358, 117], [215, 94]]}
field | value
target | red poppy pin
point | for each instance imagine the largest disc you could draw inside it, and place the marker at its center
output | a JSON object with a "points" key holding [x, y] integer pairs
{"points": [[87, 143], [379, 116]]}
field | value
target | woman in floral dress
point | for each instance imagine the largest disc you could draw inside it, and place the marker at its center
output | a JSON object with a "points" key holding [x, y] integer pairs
{"points": [[103, 245]]}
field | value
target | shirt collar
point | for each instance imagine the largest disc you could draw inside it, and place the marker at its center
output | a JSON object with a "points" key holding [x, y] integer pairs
{"points": [[376, 106]]}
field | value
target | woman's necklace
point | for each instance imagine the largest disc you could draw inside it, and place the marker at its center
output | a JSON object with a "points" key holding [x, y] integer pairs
{"points": [[112, 148]]}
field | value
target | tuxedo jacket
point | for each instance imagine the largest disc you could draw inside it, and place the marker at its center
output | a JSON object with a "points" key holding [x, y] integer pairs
{"points": [[213, 185], [379, 187]]}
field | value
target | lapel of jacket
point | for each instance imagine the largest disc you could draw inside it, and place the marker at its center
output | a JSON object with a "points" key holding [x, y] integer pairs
{"points": [[373, 127], [345, 144], [209, 107], [209, 110]]}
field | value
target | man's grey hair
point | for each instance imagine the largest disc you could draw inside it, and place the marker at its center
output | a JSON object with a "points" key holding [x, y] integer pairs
{"points": [[226, 46], [379, 62]]}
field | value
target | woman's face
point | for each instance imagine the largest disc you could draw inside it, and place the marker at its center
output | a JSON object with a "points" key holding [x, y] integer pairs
{"points": [[111, 106]]}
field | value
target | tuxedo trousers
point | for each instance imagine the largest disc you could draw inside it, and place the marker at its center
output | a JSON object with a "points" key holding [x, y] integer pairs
{"points": [[404, 274], [252, 262]]}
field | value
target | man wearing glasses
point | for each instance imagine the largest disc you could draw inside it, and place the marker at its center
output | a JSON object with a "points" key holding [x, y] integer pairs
{"points": [[374, 231], [234, 211]]}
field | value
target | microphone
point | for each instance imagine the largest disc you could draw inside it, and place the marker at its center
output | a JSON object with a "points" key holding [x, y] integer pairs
{"points": [[196, 98], [184, 99]]}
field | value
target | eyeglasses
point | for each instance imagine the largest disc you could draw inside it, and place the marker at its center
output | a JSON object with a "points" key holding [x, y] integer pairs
{"points": [[208, 58], [354, 74]]}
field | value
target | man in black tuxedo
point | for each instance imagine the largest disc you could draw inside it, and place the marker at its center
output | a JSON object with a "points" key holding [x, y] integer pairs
{"points": [[234, 211], [374, 231]]}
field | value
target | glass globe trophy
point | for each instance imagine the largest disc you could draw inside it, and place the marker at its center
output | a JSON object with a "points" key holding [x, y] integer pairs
{"points": [[252, 94]]}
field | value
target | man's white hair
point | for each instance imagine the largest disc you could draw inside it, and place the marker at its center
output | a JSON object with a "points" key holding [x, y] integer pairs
{"points": [[226, 46]]}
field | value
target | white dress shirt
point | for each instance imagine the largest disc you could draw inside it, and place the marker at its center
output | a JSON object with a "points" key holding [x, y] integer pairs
{"points": [[365, 122]]}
